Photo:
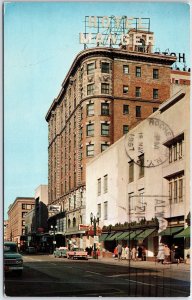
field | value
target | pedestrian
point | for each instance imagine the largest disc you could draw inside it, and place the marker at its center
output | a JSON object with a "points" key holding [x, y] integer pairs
{"points": [[177, 254], [167, 254], [161, 254], [123, 256], [127, 252], [133, 253], [140, 252], [119, 251], [115, 252], [144, 253]]}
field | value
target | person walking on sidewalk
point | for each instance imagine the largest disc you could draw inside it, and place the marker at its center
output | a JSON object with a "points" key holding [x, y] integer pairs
{"points": [[134, 253], [127, 252], [119, 251], [167, 254], [139, 252], [161, 254]]}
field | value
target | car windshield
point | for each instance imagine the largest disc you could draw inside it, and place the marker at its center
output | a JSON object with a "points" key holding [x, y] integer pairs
{"points": [[10, 248]]}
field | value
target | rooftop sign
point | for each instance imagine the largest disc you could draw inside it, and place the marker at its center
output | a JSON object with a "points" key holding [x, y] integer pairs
{"points": [[112, 30]]}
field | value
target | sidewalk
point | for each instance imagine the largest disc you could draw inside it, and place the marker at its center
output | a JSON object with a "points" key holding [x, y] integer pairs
{"points": [[177, 271]]}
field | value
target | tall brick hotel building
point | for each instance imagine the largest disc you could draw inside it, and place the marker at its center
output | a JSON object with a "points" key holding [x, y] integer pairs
{"points": [[106, 92]]}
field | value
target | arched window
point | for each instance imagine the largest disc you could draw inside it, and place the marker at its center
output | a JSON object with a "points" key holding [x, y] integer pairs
{"points": [[141, 48], [74, 222], [69, 223]]}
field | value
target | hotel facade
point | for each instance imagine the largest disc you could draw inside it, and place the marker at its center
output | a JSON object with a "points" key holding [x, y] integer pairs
{"points": [[106, 92]]}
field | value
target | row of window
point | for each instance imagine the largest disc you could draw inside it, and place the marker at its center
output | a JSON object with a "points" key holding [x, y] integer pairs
{"points": [[73, 223], [27, 206], [105, 109], [90, 149], [91, 88], [176, 189], [176, 151], [104, 129], [138, 201], [105, 185], [105, 68], [105, 210], [141, 168], [105, 90]]}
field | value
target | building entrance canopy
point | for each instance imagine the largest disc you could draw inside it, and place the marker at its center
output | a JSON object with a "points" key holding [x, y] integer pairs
{"points": [[185, 233], [171, 231], [145, 234]]}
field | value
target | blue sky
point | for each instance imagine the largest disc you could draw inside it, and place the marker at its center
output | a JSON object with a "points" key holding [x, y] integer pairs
{"points": [[41, 40]]}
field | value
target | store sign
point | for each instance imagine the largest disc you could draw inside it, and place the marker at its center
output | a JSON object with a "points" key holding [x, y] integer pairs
{"points": [[83, 227], [54, 208], [180, 56]]}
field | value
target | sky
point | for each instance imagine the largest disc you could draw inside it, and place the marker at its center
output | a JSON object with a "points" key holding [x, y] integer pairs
{"points": [[41, 40]]}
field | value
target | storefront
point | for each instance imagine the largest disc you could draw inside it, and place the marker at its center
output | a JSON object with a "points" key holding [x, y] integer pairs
{"points": [[145, 236]]}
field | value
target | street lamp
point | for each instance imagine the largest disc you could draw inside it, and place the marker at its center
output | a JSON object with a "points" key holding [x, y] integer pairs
{"points": [[94, 220], [54, 229]]}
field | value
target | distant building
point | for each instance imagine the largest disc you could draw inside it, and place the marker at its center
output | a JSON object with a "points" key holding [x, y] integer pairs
{"points": [[5, 230], [127, 184], [36, 219], [106, 92], [16, 217]]}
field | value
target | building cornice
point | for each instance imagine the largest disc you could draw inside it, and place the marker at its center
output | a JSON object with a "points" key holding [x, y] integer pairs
{"points": [[20, 199], [111, 53]]}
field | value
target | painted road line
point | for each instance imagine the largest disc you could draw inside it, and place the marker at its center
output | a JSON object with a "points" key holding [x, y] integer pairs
{"points": [[94, 273]]}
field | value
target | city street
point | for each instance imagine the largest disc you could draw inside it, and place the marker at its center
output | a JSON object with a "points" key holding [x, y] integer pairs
{"points": [[45, 275]]}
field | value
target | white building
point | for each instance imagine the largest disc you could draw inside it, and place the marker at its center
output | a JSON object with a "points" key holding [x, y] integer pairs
{"points": [[121, 190]]}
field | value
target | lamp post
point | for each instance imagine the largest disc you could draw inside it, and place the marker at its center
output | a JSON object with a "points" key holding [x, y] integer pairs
{"points": [[94, 220], [54, 229]]}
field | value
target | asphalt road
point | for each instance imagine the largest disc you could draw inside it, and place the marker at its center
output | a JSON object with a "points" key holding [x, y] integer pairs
{"points": [[45, 275]]}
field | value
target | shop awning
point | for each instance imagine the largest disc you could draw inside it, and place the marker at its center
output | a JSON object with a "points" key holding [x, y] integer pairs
{"points": [[134, 234], [171, 231], [103, 237], [109, 236], [143, 235], [122, 236], [185, 233], [115, 236]]}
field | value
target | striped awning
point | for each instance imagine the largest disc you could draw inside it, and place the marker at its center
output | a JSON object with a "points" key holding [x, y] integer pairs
{"points": [[134, 234], [109, 236], [143, 235], [123, 236], [115, 236], [183, 234], [171, 230], [103, 237]]}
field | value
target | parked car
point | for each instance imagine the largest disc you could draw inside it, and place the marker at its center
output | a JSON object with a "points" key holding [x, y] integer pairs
{"points": [[77, 253], [13, 260], [60, 252]]}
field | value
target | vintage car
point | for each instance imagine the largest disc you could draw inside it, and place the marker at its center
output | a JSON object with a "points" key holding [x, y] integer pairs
{"points": [[60, 252], [77, 253], [13, 261]]}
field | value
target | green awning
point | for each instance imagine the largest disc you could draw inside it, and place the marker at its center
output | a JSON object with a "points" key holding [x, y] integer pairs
{"points": [[109, 236], [134, 234], [185, 233], [171, 231], [115, 236], [122, 236], [145, 234], [103, 237]]}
